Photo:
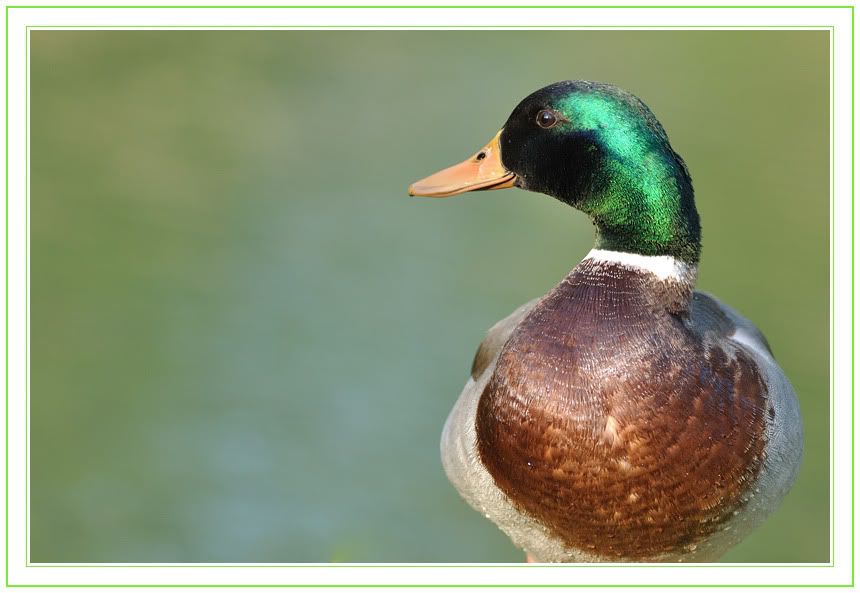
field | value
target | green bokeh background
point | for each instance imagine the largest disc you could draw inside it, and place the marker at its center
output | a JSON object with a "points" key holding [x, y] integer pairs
{"points": [[245, 337]]}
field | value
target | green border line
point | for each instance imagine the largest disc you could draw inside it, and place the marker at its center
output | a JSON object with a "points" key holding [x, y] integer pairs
{"points": [[450, 565], [409, 27], [8, 7], [6, 286], [852, 297], [27, 293], [424, 6], [447, 585]]}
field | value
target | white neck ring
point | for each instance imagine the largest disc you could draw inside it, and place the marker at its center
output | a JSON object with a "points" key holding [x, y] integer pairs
{"points": [[665, 267]]}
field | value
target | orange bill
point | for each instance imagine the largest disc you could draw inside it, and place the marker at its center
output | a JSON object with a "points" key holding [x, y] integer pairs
{"points": [[482, 171]]}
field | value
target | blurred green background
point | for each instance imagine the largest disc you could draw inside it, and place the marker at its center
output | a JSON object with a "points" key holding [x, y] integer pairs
{"points": [[246, 337]]}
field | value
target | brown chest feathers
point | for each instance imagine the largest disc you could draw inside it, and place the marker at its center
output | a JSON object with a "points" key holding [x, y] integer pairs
{"points": [[619, 425]]}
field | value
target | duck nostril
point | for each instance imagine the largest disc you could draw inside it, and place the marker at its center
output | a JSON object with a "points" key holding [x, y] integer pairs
{"points": [[481, 156]]}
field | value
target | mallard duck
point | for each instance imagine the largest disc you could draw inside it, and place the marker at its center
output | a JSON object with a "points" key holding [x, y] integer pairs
{"points": [[623, 416]]}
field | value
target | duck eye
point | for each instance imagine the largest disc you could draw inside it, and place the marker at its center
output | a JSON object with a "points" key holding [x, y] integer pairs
{"points": [[547, 118]]}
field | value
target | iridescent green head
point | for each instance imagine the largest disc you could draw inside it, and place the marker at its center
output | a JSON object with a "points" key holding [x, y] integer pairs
{"points": [[601, 150]]}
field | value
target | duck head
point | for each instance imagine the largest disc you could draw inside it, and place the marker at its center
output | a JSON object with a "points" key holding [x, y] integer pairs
{"points": [[599, 149]]}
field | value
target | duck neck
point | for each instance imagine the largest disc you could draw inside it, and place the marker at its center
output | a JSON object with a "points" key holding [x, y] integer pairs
{"points": [[645, 206], [668, 280]]}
